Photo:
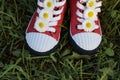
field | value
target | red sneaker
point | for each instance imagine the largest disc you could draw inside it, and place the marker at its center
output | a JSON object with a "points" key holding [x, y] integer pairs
{"points": [[85, 30], [43, 32]]}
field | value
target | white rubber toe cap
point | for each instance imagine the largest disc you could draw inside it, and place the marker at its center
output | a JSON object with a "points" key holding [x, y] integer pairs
{"points": [[87, 41], [40, 42]]}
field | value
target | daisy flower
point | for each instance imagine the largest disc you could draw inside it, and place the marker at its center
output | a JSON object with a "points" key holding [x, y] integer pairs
{"points": [[91, 4], [41, 25], [90, 14], [49, 4], [46, 14], [89, 25]]}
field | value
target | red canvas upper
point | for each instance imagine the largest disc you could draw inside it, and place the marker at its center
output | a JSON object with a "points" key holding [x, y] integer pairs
{"points": [[56, 34], [74, 22]]}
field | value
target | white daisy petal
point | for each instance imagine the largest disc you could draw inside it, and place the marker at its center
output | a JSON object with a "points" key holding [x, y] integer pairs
{"points": [[89, 25], [46, 14], [91, 4], [41, 25], [49, 4], [90, 14]]}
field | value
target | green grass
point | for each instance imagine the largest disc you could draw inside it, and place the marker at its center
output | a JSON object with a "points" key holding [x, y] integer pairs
{"points": [[64, 64]]}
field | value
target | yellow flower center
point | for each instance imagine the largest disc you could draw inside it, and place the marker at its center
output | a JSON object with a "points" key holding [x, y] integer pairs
{"points": [[88, 25], [41, 25], [49, 4], [90, 14], [91, 4], [45, 15]]}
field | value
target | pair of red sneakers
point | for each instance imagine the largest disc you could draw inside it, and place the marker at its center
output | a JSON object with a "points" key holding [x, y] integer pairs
{"points": [[43, 32]]}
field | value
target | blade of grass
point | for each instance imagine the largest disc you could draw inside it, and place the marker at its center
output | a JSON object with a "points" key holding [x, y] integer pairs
{"points": [[10, 67]]}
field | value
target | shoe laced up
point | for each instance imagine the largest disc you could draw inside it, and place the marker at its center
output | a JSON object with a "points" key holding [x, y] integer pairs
{"points": [[43, 31], [88, 15], [85, 29], [48, 15]]}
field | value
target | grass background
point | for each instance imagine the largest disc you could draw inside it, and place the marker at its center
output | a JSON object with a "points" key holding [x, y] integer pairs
{"points": [[64, 64]]}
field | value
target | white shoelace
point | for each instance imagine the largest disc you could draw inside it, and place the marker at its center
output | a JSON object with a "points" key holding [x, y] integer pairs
{"points": [[57, 14]]}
